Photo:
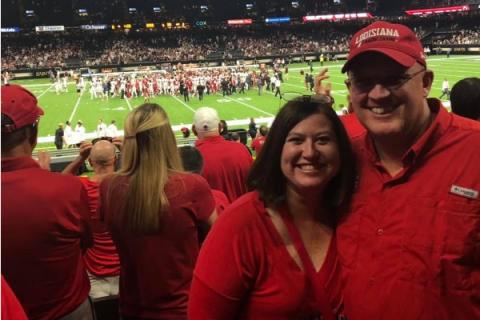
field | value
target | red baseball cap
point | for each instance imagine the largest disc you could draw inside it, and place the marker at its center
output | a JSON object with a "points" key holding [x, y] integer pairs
{"points": [[20, 105], [396, 41]]}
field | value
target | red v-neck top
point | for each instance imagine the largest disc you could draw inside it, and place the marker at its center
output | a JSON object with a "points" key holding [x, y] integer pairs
{"points": [[245, 271]]}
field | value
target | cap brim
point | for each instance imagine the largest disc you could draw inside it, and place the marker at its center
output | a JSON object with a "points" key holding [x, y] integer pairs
{"points": [[399, 57]]}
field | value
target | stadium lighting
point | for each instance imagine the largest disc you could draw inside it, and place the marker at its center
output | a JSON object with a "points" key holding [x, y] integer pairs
{"points": [[421, 12], [239, 21], [277, 20], [338, 17]]}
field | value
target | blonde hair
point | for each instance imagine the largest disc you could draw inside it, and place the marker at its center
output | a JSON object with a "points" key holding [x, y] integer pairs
{"points": [[149, 155]]}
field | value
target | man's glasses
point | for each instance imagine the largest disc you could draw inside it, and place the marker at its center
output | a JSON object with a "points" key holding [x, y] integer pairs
{"points": [[391, 83]]}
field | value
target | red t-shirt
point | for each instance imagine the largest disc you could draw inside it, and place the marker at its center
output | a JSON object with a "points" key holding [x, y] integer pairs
{"points": [[352, 125], [11, 308], [45, 226], [102, 259], [226, 165], [257, 144], [244, 271], [156, 269], [221, 201], [410, 245]]}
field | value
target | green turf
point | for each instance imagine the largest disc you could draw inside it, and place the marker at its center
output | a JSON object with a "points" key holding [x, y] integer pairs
{"points": [[59, 108]]}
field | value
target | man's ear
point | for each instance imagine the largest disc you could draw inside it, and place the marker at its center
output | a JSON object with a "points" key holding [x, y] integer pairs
{"points": [[194, 130], [427, 82], [32, 137]]}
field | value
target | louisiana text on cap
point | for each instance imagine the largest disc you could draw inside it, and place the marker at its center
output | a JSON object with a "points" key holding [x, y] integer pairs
{"points": [[396, 41]]}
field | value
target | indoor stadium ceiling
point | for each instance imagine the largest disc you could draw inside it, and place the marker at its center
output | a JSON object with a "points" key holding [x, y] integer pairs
{"points": [[74, 12]]}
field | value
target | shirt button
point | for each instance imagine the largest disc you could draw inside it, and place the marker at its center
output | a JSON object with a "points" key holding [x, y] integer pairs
{"points": [[379, 231]]}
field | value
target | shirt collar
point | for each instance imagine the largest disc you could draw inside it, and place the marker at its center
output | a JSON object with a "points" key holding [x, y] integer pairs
{"points": [[436, 129], [18, 163], [211, 139]]}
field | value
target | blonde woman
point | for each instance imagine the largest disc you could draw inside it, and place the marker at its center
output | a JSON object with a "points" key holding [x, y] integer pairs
{"points": [[154, 211]]}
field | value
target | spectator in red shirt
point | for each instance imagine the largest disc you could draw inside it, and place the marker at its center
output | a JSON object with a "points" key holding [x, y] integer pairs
{"points": [[409, 245], [259, 140], [102, 261], [226, 162], [272, 254], [45, 220], [153, 210]]}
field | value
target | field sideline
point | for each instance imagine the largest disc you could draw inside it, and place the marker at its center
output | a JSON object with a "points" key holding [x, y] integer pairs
{"points": [[235, 109]]}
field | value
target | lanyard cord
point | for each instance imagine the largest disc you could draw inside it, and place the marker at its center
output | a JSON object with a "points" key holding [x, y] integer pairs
{"points": [[317, 291]]}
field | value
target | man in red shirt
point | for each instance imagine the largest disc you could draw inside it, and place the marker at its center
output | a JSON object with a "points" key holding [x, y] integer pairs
{"points": [[101, 260], [259, 140], [410, 244], [226, 163], [45, 220]]}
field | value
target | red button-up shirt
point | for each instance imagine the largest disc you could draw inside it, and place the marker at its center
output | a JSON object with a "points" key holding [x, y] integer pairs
{"points": [[410, 246]]}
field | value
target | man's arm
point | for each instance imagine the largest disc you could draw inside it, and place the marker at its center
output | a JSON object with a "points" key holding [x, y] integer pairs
{"points": [[73, 167]]}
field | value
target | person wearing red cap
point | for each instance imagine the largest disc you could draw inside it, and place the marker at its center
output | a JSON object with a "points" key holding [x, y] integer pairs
{"points": [[410, 243], [45, 220]]}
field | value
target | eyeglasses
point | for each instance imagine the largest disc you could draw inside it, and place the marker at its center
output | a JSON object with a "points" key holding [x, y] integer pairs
{"points": [[391, 83]]}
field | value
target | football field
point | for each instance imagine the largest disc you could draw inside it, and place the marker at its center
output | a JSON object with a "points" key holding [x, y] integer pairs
{"points": [[235, 109]]}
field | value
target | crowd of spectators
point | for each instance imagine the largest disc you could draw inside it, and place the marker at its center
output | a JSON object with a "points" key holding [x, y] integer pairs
{"points": [[104, 49], [460, 37]]}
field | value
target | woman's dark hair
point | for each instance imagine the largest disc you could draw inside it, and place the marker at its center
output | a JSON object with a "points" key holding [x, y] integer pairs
{"points": [[266, 175], [465, 98]]}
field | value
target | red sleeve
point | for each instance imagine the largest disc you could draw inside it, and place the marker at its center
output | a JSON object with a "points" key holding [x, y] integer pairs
{"points": [[219, 307], [227, 265], [11, 308], [202, 199], [86, 227]]}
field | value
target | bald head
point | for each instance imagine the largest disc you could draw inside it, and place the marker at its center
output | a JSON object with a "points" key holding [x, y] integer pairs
{"points": [[103, 154]]}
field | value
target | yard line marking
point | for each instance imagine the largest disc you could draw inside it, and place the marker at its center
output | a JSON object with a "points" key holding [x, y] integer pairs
{"points": [[128, 104], [247, 105], [184, 104], [76, 106], [39, 96]]}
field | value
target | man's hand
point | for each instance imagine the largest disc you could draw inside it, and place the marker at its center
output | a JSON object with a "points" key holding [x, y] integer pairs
{"points": [[44, 159], [118, 142], [85, 149], [318, 87]]}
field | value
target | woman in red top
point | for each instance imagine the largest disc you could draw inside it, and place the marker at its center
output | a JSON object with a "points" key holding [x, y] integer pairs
{"points": [[153, 210], [272, 253]]}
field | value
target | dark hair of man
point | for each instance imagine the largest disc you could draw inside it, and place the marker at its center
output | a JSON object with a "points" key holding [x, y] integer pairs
{"points": [[263, 130], [465, 98], [192, 159], [12, 139], [266, 175]]}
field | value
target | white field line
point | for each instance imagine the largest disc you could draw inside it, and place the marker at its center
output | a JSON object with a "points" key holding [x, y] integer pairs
{"points": [[41, 94], [128, 104], [247, 105], [76, 106], [184, 104]]}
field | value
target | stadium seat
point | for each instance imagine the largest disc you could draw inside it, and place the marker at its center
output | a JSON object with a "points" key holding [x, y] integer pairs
{"points": [[106, 308]]}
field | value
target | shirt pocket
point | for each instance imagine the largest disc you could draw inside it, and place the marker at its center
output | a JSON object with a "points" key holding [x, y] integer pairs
{"points": [[460, 257], [421, 242]]}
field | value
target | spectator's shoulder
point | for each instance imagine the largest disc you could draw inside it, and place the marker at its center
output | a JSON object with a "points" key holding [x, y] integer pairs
{"points": [[245, 211]]}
